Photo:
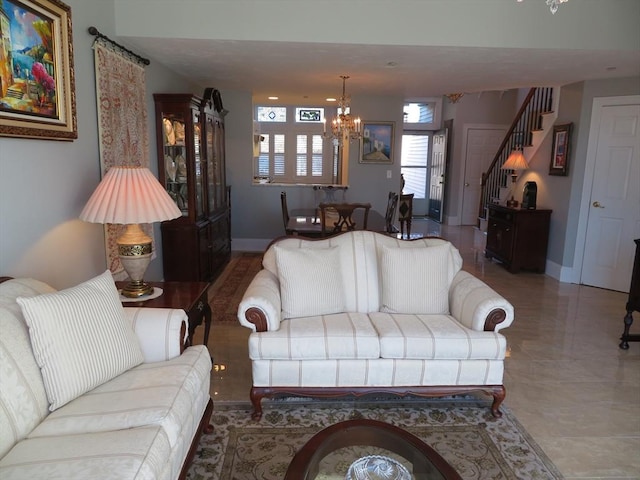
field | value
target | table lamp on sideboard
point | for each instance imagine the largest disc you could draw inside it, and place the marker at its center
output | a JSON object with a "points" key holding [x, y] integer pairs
{"points": [[131, 196], [514, 162]]}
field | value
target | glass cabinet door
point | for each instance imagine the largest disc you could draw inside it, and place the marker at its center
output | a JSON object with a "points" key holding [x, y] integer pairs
{"points": [[197, 162], [209, 145], [175, 159], [219, 163]]}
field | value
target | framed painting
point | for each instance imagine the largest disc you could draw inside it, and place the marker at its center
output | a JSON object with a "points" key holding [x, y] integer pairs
{"points": [[37, 97], [560, 151], [376, 144]]}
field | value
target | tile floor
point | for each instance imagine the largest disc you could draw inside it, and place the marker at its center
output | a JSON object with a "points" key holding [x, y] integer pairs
{"points": [[567, 381]]}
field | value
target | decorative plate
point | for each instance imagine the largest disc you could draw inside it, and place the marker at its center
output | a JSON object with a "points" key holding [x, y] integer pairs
{"points": [[377, 467], [181, 165], [170, 167], [170, 135]]}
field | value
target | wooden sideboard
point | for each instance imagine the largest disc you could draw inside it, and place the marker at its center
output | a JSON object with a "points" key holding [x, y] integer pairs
{"points": [[518, 238]]}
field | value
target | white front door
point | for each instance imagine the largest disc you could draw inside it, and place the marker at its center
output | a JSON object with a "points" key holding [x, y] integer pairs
{"points": [[614, 205], [480, 148]]}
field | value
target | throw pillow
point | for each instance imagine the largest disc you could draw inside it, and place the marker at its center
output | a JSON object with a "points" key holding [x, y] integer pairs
{"points": [[310, 281], [80, 338], [415, 280]]}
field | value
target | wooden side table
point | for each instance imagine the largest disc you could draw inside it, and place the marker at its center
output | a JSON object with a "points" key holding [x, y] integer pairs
{"points": [[633, 301], [189, 296]]}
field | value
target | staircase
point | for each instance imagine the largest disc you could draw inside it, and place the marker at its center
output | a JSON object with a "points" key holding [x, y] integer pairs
{"points": [[533, 122]]}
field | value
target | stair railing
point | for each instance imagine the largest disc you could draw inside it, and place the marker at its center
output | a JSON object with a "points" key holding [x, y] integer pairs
{"points": [[528, 119]]}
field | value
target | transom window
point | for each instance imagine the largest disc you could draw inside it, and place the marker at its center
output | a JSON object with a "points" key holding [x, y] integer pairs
{"points": [[422, 114], [292, 148]]}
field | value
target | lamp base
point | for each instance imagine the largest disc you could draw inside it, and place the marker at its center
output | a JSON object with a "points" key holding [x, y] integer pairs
{"points": [[136, 289], [512, 203]]}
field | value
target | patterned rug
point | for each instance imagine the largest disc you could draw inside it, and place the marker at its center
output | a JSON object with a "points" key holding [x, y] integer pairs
{"points": [[475, 443], [226, 292]]}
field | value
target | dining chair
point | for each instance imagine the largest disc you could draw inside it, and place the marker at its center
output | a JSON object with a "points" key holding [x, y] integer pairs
{"points": [[285, 213], [339, 217], [389, 216], [405, 212]]}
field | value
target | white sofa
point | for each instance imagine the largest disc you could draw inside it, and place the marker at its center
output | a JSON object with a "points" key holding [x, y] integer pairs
{"points": [[132, 422], [363, 312]]}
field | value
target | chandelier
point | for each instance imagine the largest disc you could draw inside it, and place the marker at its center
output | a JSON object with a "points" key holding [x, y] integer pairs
{"points": [[553, 4], [344, 125]]}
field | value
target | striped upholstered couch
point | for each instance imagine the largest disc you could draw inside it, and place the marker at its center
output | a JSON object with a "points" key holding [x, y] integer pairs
{"points": [[91, 390], [363, 312]]}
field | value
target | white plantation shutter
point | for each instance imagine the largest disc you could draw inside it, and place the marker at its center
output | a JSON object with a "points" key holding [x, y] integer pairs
{"points": [[292, 147]]}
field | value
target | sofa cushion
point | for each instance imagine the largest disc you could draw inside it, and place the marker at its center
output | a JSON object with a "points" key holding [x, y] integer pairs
{"points": [[137, 453], [415, 280], [359, 258], [438, 337], [310, 281], [23, 399], [339, 336], [172, 394], [80, 338]]}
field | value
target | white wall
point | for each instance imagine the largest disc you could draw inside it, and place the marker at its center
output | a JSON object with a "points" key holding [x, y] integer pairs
{"points": [[45, 183]]}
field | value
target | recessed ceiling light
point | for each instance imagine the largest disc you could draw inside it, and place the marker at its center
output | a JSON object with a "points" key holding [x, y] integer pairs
{"points": [[331, 99], [274, 98]]}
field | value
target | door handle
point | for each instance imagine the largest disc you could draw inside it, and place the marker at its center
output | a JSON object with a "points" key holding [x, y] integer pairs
{"points": [[597, 204], [467, 184]]}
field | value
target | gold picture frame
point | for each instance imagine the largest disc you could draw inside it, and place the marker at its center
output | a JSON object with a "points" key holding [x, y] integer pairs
{"points": [[37, 96]]}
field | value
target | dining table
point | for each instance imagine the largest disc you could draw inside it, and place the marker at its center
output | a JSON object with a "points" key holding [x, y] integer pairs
{"points": [[306, 221]]}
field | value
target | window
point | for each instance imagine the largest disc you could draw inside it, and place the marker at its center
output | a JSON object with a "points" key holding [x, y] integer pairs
{"points": [[292, 148], [422, 114]]}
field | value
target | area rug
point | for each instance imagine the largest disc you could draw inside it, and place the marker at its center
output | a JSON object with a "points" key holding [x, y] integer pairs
{"points": [[475, 443], [226, 292]]}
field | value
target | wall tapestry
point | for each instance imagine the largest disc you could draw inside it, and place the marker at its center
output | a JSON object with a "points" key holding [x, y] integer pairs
{"points": [[122, 125]]}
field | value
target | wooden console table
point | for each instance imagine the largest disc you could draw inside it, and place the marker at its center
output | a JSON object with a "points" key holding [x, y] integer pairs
{"points": [[518, 238], [189, 296]]}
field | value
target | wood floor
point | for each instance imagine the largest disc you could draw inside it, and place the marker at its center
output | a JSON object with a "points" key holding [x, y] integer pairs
{"points": [[568, 383]]}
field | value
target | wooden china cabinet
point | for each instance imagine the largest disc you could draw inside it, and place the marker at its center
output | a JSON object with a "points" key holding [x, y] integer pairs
{"points": [[191, 166]]}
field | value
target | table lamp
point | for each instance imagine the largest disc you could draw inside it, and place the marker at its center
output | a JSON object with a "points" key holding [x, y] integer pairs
{"points": [[131, 196], [514, 162]]}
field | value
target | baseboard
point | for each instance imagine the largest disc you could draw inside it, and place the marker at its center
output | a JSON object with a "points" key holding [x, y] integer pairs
{"points": [[561, 273]]}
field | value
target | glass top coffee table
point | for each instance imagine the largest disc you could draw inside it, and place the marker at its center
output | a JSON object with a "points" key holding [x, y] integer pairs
{"points": [[351, 439]]}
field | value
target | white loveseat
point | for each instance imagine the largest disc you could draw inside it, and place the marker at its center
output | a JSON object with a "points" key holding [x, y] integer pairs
{"points": [[91, 390], [363, 312]]}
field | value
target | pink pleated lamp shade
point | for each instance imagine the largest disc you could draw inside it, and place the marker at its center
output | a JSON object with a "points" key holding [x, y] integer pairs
{"points": [[129, 195], [516, 161]]}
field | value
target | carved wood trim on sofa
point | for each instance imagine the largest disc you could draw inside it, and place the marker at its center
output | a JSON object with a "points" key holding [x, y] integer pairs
{"points": [[498, 392]]}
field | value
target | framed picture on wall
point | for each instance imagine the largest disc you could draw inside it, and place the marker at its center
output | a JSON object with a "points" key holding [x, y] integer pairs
{"points": [[560, 151], [37, 97], [376, 144]]}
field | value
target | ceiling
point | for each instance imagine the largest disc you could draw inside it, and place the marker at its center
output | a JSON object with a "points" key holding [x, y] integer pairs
{"points": [[309, 72]]}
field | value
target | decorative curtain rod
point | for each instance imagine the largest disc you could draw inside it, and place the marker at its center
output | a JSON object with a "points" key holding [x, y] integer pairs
{"points": [[94, 31]]}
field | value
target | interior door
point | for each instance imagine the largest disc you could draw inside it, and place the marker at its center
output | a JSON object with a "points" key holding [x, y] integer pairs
{"points": [[438, 172], [481, 147], [614, 214]]}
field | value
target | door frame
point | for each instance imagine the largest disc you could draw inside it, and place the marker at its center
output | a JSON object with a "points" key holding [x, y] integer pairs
{"points": [[574, 275], [465, 132]]}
